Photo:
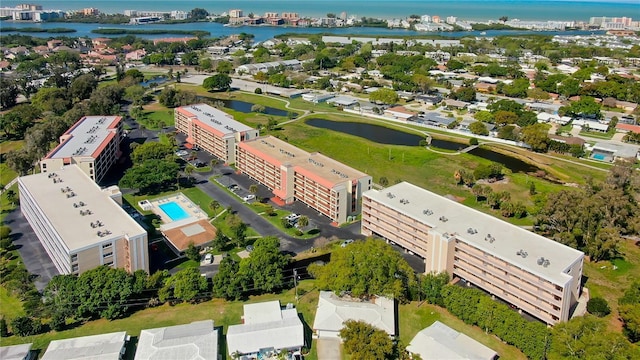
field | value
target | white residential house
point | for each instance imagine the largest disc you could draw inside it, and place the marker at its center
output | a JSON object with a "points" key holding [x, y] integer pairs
{"points": [[267, 329], [439, 341], [195, 341], [111, 346], [333, 311]]}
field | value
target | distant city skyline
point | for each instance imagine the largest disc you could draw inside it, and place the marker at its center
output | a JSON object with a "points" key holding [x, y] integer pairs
{"points": [[580, 10]]}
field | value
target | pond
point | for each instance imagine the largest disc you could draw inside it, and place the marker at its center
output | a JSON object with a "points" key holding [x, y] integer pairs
{"points": [[383, 135], [155, 81], [376, 133], [245, 107]]}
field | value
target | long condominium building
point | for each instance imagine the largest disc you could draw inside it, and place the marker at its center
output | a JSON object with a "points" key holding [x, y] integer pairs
{"points": [[538, 275], [80, 225], [212, 130], [92, 143], [322, 183]]}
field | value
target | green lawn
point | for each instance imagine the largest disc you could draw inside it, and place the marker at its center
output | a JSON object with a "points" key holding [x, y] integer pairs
{"points": [[414, 317], [10, 306], [609, 282], [599, 135], [6, 205], [6, 174], [222, 312], [157, 118], [276, 221], [221, 225], [417, 165]]}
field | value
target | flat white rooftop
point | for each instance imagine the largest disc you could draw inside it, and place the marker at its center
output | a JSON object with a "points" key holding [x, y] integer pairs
{"points": [[217, 119], [85, 137], [333, 311], [72, 186], [266, 325], [195, 341], [324, 167], [96, 347], [483, 231]]}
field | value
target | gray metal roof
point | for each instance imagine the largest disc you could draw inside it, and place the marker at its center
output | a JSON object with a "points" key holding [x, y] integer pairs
{"points": [[439, 341], [195, 341], [508, 242], [15, 352], [96, 347], [266, 325], [333, 311]]}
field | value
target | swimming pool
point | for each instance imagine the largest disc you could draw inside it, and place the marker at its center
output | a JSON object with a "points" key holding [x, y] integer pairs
{"points": [[598, 156], [173, 211]]}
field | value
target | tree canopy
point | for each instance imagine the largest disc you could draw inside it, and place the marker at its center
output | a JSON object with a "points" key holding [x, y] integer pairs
{"points": [[363, 341], [151, 151], [367, 268], [150, 176], [586, 337], [263, 270], [220, 82], [593, 218], [385, 96]]}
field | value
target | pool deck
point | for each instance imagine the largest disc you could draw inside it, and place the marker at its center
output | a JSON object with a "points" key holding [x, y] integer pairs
{"points": [[185, 203], [180, 233]]}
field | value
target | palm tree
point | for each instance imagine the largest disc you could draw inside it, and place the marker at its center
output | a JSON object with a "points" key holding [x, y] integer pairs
{"points": [[188, 170], [214, 205], [253, 189], [303, 222]]}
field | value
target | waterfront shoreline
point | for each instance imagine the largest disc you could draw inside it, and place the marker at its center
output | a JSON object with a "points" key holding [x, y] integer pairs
{"points": [[263, 33], [467, 10]]}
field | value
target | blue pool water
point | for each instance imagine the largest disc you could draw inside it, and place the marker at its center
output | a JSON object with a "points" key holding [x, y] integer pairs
{"points": [[174, 211], [598, 156]]}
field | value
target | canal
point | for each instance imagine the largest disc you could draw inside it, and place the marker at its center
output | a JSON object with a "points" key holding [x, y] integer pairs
{"points": [[384, 135]]}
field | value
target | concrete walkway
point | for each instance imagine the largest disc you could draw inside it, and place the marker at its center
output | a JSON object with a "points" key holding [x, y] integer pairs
{"points": [[10, 184]]}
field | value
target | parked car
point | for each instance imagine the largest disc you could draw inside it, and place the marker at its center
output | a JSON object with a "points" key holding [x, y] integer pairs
{"points": [[208, 258], [346, 242], [248, 197], [182, 153], [249, 248], [292, 217]]}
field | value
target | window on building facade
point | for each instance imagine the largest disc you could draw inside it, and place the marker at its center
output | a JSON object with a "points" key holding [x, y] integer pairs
{"points": [[74, 257], [105, 255], [74, 268]]}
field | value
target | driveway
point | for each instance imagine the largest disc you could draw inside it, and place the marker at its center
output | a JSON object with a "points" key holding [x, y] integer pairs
{"points": [[329, 349]]}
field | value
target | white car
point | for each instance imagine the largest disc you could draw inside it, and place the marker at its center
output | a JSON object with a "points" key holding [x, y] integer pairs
{"points": [[346, 242], [182, 153], [292, 217], [208, 258], [248, 197]]}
